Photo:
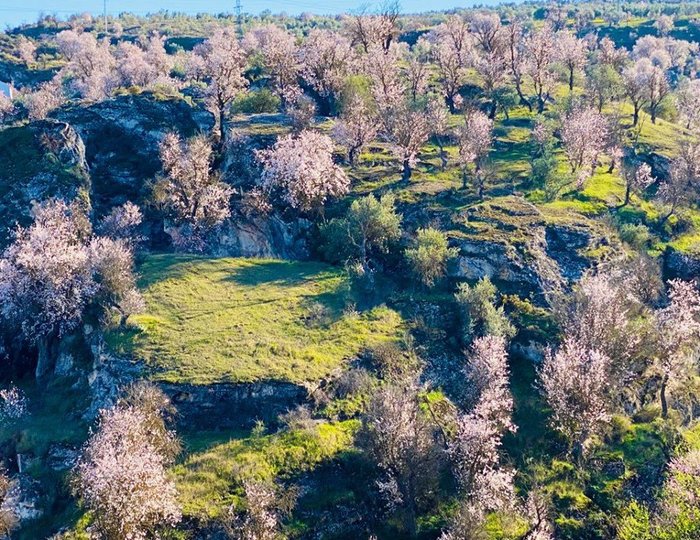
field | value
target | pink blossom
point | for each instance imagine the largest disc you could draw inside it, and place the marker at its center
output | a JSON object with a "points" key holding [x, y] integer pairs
{"points": [[301, 168]]}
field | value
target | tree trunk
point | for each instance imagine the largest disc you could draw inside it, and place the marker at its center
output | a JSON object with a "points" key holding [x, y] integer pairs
{"points": [[352, 156], [664, 219], [578, 450], [523, 99], [222, 128], [628, 192], [450, 100], [662, 396], [571, 80], [492, 110], [635, 115], [479, 182], [652, 110], [406, 172]]}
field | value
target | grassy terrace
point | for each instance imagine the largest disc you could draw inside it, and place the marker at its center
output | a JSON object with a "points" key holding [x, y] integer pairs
{"points": [[237, 320], [208, 476]]}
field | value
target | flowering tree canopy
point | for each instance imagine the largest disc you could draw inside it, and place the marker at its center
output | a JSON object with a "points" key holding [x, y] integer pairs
{"points": [[301, 168]]}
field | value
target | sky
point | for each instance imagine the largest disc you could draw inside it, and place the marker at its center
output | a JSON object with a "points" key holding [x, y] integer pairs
{"points": [[15, 12]]}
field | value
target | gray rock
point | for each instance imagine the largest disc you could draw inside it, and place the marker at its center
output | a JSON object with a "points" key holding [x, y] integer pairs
{"points": [[512, 243], [224, 405], [121, 138], [681, 265], [109, 374], [61, 457], [43, 159], [22, 500], [266, 236], [64, 365]]}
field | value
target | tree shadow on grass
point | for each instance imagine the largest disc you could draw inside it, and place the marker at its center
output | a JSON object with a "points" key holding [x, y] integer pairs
{"points": [[162, 266], [280, 273]]}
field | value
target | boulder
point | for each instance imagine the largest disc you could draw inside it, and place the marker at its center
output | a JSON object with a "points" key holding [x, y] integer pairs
{"points": [[23, 498], [62, 457], [234, 405], [109, 374], [524, 251]]}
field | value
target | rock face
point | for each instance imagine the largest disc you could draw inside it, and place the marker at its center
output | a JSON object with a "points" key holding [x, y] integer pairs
{"points": [[512, 243], [121, 138], [108, 375], [238, 405], [268, 236], [681, 265], [40, 160], [22, 499]]}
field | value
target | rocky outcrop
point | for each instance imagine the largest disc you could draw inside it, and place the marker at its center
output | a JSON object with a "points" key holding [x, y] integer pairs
{"points": [[41, 160], [681, 265], [265, 236], [110, 372], [234, 405], [121, 137], [512, 243], [23, 499]]}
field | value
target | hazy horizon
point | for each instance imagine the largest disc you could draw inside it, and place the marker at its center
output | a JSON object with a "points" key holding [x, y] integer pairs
{"points": [[13, 15]]}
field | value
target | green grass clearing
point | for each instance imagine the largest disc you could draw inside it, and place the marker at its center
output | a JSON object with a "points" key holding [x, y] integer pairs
{"points": [[238, 320]]}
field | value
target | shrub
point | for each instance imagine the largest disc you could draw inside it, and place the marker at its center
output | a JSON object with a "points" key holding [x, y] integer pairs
{"points": [[636, 235], [429, 256], [479, 314], [255, 102]]}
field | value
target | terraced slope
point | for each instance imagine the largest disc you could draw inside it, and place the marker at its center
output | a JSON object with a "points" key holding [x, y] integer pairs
{"points": [[241, 320]]}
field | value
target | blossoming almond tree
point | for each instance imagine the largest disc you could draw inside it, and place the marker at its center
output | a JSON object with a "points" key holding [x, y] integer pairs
{"points": [[356, 127], [539, 55], [571, 52], [90, 64], [475, 447], [584, 133], [189, 191], [406, 127], [688, 103], [326, 59], [678, 337], [280, 60], [475, 142], [122, 478], [220, 61], [302, 170], [574, 381], [46, 279], [53, 271]]}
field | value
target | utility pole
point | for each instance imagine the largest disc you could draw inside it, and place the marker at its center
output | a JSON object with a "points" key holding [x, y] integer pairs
{"points": [[239, 19], [104, 10]]}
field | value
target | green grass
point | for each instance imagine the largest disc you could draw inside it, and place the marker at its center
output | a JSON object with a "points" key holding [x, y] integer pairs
{"points": [[237, 320], [208, 480]]}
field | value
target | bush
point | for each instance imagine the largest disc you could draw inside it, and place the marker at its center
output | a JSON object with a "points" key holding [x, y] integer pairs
{"points": [[429, 256], [255, 102], [479, 314], [636, 235]]}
